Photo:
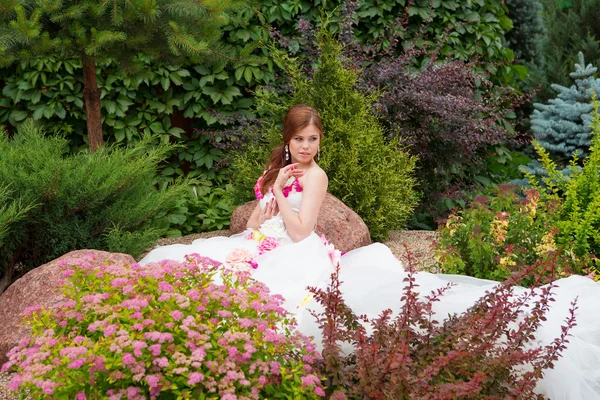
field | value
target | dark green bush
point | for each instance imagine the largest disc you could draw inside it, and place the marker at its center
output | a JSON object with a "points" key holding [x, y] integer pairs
{"points": [[374, 178], [106, 200]]}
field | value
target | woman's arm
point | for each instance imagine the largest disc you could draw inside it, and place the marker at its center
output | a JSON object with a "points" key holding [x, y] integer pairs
{"points": [[314, 189]]}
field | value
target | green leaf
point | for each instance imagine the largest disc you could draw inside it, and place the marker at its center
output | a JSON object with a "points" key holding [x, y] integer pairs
{"points": [[243, 34], [166, 83], [244, 103], [18, 115], [61, 112], [39, 112], [120, 135], [248, 74], [157, 127], [471, 16], [505, 23]]}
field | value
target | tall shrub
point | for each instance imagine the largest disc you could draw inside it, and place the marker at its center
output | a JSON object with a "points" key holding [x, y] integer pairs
{"points": [[371, 176], [579, 194], [105, 200]]}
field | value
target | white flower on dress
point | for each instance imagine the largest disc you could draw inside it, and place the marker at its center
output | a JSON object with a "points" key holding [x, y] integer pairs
{"points": [[274, 227]]}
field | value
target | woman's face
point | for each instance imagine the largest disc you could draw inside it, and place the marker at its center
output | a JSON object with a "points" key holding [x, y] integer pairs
{"points": [[304, 145]]}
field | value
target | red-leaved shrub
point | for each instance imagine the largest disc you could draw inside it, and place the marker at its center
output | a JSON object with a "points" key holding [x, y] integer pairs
{"points": [[484, 352]]}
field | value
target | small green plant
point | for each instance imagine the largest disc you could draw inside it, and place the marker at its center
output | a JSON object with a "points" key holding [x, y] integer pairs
{"points": [[497, 236], [185, 330], [205, 208], [104, 200]]}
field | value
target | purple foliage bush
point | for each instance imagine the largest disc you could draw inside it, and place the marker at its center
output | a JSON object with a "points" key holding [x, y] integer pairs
{"points": [[183, 330], [485, 352], [448, 114]]}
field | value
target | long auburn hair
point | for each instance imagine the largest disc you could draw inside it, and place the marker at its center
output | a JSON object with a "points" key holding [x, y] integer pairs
{"points": [[297, 118]]}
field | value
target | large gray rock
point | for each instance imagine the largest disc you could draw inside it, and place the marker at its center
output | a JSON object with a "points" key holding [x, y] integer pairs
{"points": [[41, 286], [340, 225]]}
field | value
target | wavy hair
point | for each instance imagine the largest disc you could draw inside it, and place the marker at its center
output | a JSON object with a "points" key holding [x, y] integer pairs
{"points": [[297, 118]]}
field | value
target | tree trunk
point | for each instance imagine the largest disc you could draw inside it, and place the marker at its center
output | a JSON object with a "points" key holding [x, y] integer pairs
{"points": [[6, 281], [91, 96]]}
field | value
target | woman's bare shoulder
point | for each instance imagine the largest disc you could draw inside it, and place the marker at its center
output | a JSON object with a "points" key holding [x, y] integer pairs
{"points": [[315, 176]]}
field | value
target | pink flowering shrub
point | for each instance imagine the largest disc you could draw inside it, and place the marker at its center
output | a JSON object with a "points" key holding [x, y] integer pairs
{"points": [[484, 353], [177, 329]]}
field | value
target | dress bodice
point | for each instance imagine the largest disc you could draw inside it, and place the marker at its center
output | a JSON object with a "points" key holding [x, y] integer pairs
{"points": [[294, 199], [292, 192]]}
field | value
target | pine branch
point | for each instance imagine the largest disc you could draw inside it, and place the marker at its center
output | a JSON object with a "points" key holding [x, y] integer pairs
{"points": [[180, 40], [29, 28], [102, 39], [75, 12]]}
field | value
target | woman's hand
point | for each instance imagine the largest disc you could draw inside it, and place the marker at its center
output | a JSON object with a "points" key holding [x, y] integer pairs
{"points": [[285, 173], [268, 212]]}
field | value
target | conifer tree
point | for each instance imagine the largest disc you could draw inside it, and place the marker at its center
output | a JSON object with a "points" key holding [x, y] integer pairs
{"points": [[573, 26], [117, 30], [562, 126], [527, 37]]}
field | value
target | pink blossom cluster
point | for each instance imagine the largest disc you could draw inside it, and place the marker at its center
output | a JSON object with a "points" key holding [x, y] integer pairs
{"points": [[294, 186], [133, 332]]}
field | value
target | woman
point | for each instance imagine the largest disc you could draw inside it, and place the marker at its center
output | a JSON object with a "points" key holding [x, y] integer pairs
{"points": [[286, 254]]}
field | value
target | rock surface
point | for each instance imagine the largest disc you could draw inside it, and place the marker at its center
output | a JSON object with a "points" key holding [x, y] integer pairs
{"points": [[340, 225], [41, 286]]}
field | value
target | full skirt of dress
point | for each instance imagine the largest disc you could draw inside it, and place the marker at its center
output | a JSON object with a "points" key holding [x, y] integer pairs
{"points": [[373, 281]]}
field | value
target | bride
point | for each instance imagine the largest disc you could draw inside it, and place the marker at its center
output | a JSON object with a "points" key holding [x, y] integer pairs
{"points": [[284, 252]]}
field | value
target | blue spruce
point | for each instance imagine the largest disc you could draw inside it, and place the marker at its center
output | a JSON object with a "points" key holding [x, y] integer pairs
{"points": [[563, 125]]}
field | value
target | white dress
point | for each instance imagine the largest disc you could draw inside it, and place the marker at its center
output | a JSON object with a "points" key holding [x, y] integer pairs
{"points": [[373, 280]]}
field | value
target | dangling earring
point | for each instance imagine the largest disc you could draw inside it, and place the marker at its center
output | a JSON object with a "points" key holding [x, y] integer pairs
{"points": [[319, 153], [287, 153]]}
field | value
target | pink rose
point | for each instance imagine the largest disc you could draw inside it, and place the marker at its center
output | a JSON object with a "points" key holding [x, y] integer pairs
{"points": [[237, 256], [267, 244]]}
